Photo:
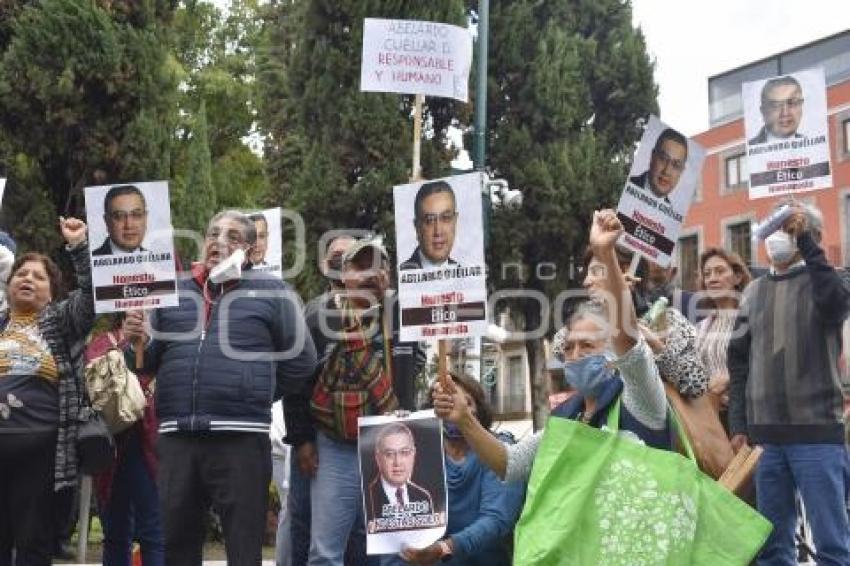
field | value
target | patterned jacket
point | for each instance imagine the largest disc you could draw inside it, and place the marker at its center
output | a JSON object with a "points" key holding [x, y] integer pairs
{"points": [[64, 326]]}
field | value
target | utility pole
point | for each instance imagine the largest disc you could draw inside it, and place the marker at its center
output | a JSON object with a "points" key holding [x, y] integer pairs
{"points": [[480, 120]]}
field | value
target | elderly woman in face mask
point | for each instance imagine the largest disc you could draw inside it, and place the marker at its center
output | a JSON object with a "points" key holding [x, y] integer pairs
{"points": [[603, 367]]}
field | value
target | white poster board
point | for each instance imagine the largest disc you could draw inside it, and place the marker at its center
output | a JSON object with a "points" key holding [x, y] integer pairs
{"points": [[132, 246], [661, 185], [416, 57], [441, 268], [267, 256], [403, 481], [787, 132], [2, 189]]}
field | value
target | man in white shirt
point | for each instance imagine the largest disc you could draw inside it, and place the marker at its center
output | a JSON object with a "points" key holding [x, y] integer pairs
{"points": [[392, 493], [435, 219], [781, 109]]}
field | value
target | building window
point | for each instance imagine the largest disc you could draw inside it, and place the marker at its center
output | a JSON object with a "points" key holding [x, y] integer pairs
{"points": [[736, 171], [846, 128], [739, 236], [689, 261], [515, 399]]}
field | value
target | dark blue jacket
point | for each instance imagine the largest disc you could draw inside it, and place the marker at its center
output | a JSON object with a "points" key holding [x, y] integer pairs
{"points": [[226, 352], [572, 408]]}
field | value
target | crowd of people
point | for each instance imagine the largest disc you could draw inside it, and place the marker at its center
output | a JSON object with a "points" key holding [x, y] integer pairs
{"points": [[764, 352]]}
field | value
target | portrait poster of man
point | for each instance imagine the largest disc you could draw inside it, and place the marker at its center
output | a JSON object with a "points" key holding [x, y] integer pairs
{"points": [[403, 481], [267, 254], [661, 185], [787, 134], [440, 248], [132, 246]]}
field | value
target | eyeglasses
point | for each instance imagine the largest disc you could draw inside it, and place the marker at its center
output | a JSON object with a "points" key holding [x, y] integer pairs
{"points": [[233, 237], [393, 454], [122, 215], [779, 105], [668, 161], [432, 219]]}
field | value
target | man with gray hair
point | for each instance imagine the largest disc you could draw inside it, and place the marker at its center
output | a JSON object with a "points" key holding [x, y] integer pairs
{"points": [[785, 392], [236, 341]]}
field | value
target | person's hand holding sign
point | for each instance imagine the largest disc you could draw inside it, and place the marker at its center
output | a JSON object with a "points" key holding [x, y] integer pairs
{"points": [[73, 230], [796, 224]]}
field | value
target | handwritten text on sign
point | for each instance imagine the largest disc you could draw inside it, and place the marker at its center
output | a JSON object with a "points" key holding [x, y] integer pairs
{"points": [[414, 57]]}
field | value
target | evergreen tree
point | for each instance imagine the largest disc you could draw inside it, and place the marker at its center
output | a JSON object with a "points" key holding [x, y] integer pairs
{"points": [[87, 92], [194, 197], [334, 153], [569, 87]]}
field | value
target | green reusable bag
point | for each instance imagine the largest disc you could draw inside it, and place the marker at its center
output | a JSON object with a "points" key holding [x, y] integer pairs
{"points": [[598, 498]]}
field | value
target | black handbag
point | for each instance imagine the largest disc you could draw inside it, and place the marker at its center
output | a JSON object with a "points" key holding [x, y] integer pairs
{"points": [[95, 445]]}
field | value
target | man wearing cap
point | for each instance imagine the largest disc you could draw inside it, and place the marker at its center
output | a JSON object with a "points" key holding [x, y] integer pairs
{"points": [[350, 331]]}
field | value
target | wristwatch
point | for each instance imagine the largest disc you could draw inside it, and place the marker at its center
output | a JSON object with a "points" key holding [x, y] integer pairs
{"points": [[445, 551]]}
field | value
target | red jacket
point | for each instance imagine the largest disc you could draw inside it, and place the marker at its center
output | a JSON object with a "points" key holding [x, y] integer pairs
{"points": [[146, 427]]}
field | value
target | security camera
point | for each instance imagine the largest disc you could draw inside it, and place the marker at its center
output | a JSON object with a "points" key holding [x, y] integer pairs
{"points": [[512, 199]]}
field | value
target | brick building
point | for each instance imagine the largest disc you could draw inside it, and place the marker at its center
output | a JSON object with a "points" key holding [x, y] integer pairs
{"points": [[722, 214]]}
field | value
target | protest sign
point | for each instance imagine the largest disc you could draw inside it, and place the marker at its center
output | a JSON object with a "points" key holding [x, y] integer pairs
{"points": [[132, 254], [658, 192], [787, 134], [267, 253], [403, 481], [441, 268], [416, 57]]}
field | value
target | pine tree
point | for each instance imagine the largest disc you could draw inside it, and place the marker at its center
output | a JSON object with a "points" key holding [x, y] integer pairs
{"points": [[194, 196], [569, 86], [334, 153], [87, 94]]}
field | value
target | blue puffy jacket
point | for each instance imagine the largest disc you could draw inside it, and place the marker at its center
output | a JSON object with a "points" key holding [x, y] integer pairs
{"points": [[226, 352]]}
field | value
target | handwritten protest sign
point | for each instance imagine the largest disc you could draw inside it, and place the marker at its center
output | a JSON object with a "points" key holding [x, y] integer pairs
{"points": [[787, 134], [658, 192], [132, 254], [416, 57], [267, 254], [441, 268], [403, 481]]}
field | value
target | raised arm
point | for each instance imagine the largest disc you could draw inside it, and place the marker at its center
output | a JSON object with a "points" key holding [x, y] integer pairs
{"points": [[604, 232]]}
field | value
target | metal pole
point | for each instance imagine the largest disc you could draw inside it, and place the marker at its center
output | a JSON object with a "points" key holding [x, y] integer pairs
{"points": [[416, 174], [479, 147]]}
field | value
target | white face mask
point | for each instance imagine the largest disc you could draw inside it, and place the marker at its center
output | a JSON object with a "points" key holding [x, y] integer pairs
{"points": [[229, 269], [780, 247]]}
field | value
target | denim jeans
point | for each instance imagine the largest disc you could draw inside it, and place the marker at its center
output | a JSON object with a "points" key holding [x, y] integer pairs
{"points": [[132, 512], [336, 504], [821, 474], [297, 516]]}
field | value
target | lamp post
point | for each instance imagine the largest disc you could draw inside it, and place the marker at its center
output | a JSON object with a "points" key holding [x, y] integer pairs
{"points": [[480, 119]]}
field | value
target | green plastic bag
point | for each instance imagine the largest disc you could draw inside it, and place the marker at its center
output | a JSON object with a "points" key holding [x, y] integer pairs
{"points": [[598, 498]]}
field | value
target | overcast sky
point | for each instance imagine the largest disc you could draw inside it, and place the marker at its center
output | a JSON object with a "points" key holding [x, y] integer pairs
{"points": [[694, 40]]}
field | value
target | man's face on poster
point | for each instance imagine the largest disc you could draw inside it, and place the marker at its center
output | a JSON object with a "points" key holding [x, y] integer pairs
{"points": [[782, 110], [666, 166], [259, 252], [395, 455], [126, 221], [435, 222]]}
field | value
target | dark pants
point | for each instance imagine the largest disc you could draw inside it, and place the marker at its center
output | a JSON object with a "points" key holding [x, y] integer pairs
{"points": [[232, 472], [132, 511], [26, 496]]}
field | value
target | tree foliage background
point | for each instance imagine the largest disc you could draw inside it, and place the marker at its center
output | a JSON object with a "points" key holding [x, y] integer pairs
{"points": [[260, 105]]}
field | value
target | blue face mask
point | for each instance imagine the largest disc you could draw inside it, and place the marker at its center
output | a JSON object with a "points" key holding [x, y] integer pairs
{"points": [[588, 375]]}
